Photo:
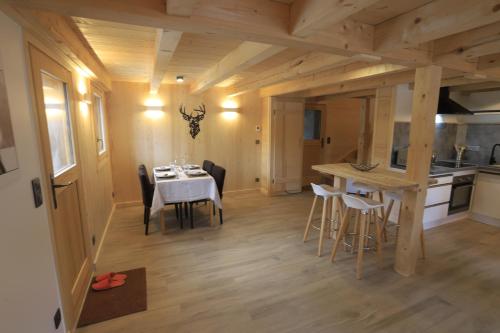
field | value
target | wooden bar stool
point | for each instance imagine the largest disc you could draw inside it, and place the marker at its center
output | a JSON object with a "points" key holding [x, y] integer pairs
{"points": [[326, 192], [367, 208], [397, 196]]}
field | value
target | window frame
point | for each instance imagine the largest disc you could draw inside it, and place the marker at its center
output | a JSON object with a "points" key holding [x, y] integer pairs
{"points": [[100, 123]]}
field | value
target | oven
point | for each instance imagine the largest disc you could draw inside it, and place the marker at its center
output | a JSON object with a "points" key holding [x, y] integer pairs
{"points": [[461, 194]]}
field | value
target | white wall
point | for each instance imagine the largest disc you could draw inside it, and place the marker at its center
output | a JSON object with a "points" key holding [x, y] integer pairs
{"points": [[28, 287]]}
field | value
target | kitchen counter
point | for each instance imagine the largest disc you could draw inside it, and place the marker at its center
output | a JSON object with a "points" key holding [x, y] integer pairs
{"points": [[441, 170], [381, 178], [495, 170]]}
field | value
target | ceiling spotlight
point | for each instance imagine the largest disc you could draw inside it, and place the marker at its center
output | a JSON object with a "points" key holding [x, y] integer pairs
{"points": [[179, 78]]}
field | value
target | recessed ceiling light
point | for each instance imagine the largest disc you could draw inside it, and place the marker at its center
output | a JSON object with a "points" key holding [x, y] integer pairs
{"points": [[179, 78]]}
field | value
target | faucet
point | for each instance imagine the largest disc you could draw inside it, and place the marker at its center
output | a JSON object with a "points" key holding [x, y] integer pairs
{"points": [[492, 156]]}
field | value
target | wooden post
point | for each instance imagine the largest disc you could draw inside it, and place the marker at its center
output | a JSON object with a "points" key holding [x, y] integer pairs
{"points": [[365, 135], [425, 101], [383, 126]]}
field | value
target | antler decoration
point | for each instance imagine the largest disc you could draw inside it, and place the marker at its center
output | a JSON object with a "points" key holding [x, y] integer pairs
{"points": [[194, 120]]}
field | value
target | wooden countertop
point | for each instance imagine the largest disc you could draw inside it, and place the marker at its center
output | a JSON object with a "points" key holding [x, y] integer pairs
{"points": [[379, 177]]}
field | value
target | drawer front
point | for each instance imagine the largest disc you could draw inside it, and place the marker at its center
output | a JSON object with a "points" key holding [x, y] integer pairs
{"points": [[437, 195], [443, 180], [435, 213]]}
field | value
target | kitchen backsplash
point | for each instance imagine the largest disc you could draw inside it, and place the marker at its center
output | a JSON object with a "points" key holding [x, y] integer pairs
{"points": [[482, 135], [444, 140]]}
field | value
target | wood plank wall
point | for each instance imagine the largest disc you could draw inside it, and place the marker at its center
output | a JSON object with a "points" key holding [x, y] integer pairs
{"points": [[137, 139]]}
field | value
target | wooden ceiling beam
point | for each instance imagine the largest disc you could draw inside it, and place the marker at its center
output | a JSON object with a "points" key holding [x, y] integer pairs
{"points": [[488, 62], [245, 56], [259, 21], [299, 67], [437, 19], [361, 84], [468, 45], [62, 34], [182, 7], [340, 75], [310, 16], [166, 43], [477, 87]]}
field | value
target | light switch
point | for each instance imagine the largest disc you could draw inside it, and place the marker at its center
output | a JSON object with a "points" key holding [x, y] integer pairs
{"points": [[37, 192]]}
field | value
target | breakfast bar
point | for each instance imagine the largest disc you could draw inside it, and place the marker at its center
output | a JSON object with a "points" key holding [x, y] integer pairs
{"points": [[380, 178]]}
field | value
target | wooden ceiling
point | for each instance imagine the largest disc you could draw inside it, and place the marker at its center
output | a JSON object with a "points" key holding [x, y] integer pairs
{"points": [[304, 47], [128, 51]]}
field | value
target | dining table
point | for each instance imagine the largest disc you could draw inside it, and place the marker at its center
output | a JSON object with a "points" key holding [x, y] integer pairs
{"points": [[182, 184]]}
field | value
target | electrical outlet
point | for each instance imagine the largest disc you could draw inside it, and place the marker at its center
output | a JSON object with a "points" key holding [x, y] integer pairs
{"points": [[57, 318], [474, 148]]}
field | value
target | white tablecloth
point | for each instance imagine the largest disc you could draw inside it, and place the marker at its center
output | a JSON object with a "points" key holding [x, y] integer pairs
{"points": [[184, 189]]}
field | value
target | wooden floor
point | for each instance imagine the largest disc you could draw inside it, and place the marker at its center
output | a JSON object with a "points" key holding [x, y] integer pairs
{"points": [[254, 274]]}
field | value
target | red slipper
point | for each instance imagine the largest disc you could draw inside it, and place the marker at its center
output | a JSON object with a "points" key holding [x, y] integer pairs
{"points": [[107, 284], [110, 275]]}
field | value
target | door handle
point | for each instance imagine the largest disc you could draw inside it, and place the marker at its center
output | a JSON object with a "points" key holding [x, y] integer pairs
{"points": [[53, 187]]}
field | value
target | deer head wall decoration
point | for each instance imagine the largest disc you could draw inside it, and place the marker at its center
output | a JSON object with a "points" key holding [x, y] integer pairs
{"points": [[193, 119]]}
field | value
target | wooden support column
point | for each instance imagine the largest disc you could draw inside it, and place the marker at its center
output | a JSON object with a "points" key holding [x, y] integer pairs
{"points": [[383, 126], [365, 135], [425, 101]]}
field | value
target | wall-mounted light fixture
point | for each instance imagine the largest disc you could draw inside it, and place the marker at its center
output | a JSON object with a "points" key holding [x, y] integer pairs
{"points": [[82, 90], [154, 108], [230, 109], [179, 79]]}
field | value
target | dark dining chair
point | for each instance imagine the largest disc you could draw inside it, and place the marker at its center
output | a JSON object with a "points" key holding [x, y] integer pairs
{"points": [[147, 189], [219, 174], [208, 166]]}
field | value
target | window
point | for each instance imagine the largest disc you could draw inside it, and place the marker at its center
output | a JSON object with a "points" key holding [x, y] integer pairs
{"points": [[312, 124], [59, 123], [99, 124]]}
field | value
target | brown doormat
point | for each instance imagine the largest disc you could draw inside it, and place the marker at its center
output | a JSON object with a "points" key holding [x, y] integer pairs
{"points": [[116, 302]]}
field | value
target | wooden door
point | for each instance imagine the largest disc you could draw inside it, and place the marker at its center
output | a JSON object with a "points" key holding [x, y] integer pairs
{"points": [[288, 129], [314, 127], [56, 119]]}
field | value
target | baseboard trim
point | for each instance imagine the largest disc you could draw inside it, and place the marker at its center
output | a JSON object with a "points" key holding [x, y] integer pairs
{"points": [[446, 220], [485, 219], [247, 190], [128, 204], [104, 234]]}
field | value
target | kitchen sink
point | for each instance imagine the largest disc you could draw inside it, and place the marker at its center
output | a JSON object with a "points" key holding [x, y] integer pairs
{"points": [[453, 164]]}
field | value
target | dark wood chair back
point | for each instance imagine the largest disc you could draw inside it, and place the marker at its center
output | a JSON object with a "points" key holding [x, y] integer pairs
{"points": [[146, 186], [219, 174], [208, 166]]}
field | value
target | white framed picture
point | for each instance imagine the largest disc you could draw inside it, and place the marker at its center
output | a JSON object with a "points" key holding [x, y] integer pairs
{"points": [[8, 155]]}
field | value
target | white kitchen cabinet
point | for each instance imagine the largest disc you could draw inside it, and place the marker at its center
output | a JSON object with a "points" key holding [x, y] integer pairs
{"points": [[438, 195], [486, 200], [435, 213]]}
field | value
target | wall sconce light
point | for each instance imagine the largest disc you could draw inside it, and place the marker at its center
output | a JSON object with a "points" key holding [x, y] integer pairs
{"points": [[179, 79], [230, 109], [82, 90], [154, 108]]}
